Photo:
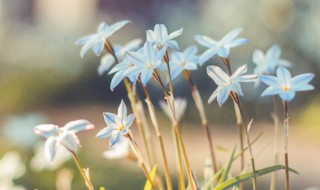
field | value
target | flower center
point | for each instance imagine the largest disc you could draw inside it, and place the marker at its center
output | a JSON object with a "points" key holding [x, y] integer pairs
{"points": [[286, 88], [121, 128], [182, 64]]}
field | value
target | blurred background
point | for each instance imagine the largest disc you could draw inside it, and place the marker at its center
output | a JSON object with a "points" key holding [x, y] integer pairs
{"points": [[44, 80]]}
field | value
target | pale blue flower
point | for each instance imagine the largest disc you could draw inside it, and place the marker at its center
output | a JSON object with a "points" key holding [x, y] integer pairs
{"points": [[97, 40], [117, 125], [145, 61], [267, 63], [180, 61], [64, 135], [220, 47], [285, 85], [120, 71], [108, 60], [160, 37], [227, 83]]}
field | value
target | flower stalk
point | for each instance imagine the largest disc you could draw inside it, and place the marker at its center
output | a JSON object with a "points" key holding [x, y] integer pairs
{"points": [[286, 132]]}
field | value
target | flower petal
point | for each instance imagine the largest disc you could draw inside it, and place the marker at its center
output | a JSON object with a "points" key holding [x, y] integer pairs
{"points": [[98, 48], [214, 95], [284, 76], [115, 137], [224, 52], [240, 71], [300, 82], [109, 118], [122, 111], [223, 95], [237, 42], [146, 76], [287, 95], [106, 132], [270, 80], [78, 125], [50, 148], [116, 79], [129, 120], [205, 41], [231, 35], [258, 57], [105, 64], [175, 33], [46, 130], [70, 141], [208, 54], [118, 25], [218, 75], [271, 91]]}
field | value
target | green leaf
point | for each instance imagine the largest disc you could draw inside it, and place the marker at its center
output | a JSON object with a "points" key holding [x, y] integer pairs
{"points": [[148, 186], [249, 175], [209, 183], [246, 148], [225, 173]]}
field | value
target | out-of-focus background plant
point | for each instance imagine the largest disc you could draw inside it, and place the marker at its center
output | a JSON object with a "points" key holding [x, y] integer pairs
{"points": [[43, 79]]}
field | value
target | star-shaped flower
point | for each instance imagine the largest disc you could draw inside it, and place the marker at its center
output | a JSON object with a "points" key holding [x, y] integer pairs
{"points": [[120, 150], [97, 40], [220, 47], [120, 71], [186, 60], [267, 63], [226, 83], [160, 37], [285, 85], [108, 60], [117, 125], [145, 61], [65, 135]]}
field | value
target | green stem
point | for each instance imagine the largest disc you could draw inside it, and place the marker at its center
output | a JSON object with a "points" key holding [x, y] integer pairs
{"points": [[180, 167]]}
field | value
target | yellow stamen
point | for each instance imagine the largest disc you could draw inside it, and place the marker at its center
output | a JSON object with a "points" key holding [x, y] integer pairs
{"points": [[121, 128], [286, 88]]}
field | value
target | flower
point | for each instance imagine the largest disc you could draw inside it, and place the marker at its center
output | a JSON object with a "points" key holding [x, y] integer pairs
{"points": [[267, 63], [180, 105], [38, 164], [97, 40], [11, 166], [160, 36], [226, 83], [186, 60], [117, 125], [145, 61], [64, 135], [221, 47], [119, 150], [120, 71], [108, 60], [285, 85]]}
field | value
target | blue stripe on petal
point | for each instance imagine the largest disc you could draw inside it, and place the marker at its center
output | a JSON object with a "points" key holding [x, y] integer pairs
{"points": [[284, 76], [287, 96], [270, 80], [115, 137], [223, 95]]}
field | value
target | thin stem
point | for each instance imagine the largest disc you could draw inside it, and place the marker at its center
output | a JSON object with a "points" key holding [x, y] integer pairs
{"points": [[286, 131], [176, 128], [156, 126], [179, 158], [81, 169], [275, 117], [166, 58], [199, 104], [109, 48], [141, 161], [244, 125]]}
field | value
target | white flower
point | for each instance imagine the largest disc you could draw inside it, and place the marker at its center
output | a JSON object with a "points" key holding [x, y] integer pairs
{"points": [[220, 47], [11, 166], [160, 37], [64, 135], [119, 150], [226, 83], [117, 125], [180, 105]]}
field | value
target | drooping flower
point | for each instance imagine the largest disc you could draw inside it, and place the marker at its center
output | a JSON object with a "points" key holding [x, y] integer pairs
{"points": [[180, 61], [226, 83], [97, 40], [117, 125], [180, 105], [65, 135], [267, 63], [108, 60], [160, 37], [145, 61], [220, 47], [286, 86]]}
